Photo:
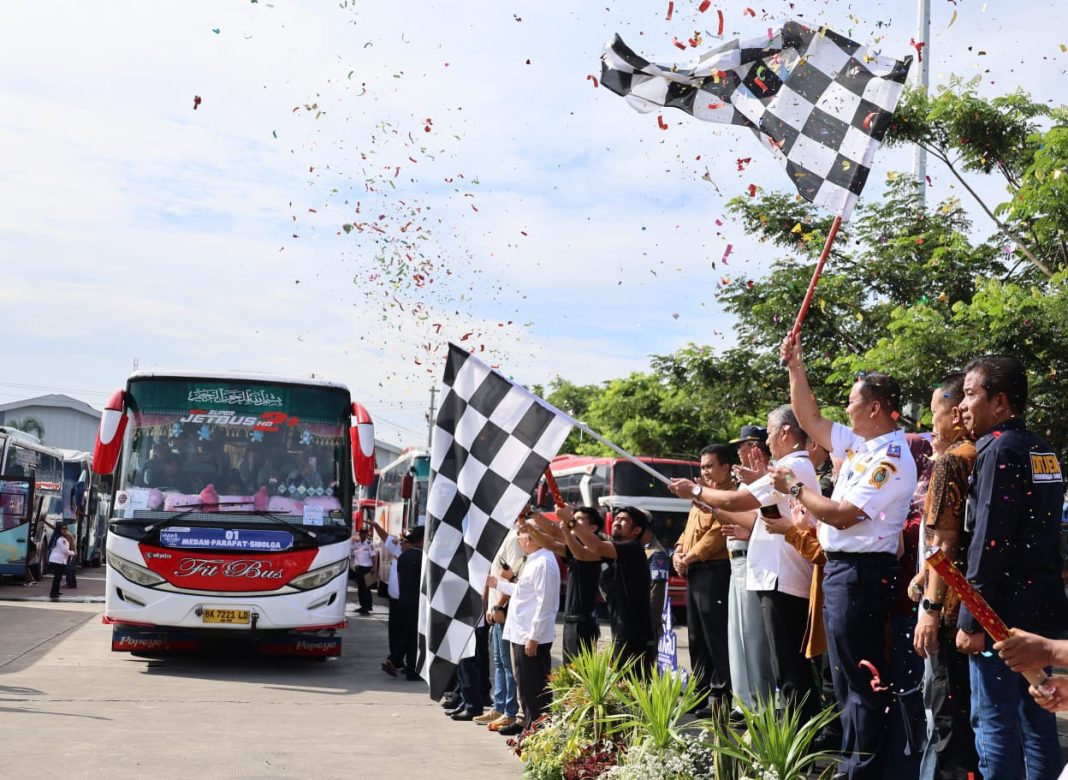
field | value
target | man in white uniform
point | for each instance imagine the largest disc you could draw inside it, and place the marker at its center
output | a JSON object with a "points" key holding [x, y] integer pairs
{"points": [[859, 530]]}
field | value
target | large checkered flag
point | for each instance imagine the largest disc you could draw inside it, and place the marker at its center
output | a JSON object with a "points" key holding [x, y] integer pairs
{"points": [[492, 442], [818, 101]]}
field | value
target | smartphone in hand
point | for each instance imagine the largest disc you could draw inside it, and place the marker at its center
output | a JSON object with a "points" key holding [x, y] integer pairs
{"points": [[504, 564]]}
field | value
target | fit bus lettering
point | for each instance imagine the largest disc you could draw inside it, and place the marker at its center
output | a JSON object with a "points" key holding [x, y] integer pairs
{"points": [[211, 567]]}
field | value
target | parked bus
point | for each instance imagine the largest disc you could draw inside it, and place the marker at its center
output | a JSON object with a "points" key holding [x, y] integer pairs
{"points": [[86, 501], [232, 510], [607, 483], [31, 484], [398, 500]]}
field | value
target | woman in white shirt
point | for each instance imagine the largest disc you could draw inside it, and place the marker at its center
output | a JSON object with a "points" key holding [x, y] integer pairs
{"points": [[59, 552]]}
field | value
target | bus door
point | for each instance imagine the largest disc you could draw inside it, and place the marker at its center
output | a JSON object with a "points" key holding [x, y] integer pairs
{"points": [[16, 510]]}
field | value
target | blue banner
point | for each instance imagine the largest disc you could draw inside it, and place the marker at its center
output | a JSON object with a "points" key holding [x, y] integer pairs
{"points": [[243, 539]]}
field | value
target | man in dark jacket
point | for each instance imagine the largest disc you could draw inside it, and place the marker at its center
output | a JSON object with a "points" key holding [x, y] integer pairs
{"points": [[409, 566], [1013, 512]]}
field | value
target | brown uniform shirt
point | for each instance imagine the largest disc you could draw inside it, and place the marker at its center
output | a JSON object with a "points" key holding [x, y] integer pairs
{"points": [[701, 537], [943, 508]]}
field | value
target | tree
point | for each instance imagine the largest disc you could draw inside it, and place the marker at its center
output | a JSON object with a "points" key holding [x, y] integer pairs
{"points": [[29, 425]]}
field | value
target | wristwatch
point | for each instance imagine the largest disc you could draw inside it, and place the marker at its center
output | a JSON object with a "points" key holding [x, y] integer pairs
{"points": [[930, 606], [696, 490], [796, 488]]}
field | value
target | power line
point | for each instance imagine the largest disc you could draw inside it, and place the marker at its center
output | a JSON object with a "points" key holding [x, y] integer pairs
{"points": [[60, 389]]}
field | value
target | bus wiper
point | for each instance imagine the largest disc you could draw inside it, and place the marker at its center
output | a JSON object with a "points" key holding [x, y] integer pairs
{"points": [[291, 526], [188, 511]]}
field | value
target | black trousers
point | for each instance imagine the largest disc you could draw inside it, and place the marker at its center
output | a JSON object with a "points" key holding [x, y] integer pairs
{"points": [[785, 620], [579, 633], [403, 632], [858, 591], [532, 680], [58, 570], [953, 741], [363, 593], [642, 653], [707, 598]]}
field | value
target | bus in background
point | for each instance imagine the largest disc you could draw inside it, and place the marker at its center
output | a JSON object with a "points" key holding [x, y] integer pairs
{"points": [[232, 510], [608, 482], [398, 500], [32, 476], [85, 509]]}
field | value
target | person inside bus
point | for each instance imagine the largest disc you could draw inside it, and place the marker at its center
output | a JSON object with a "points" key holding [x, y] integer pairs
{"points": [[172, 476], [306, 476]]}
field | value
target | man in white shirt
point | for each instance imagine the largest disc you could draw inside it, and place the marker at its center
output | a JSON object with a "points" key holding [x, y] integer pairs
{"points": [[395, 548], [362, 555], [859, 530], [531, 622], [779, 575]]}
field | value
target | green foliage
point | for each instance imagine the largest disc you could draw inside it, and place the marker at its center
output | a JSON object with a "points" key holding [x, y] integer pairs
{"points": [[654, 709], [587, 693], [776, 744], [29, 425]]}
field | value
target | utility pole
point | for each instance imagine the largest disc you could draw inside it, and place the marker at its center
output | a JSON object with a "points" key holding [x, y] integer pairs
{"points": [[431, 417], [920, 83]]}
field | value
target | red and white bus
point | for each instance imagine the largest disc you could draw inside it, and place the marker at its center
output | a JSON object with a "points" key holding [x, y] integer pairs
{"points": [[608, 482], [232, 510]]}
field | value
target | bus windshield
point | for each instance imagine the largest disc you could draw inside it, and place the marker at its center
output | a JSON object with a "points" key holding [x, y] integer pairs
{"points": [[200, 446], [629, 480]]}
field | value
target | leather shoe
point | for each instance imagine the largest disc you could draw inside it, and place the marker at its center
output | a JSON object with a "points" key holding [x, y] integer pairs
{"points": [[455, 710], [450, 701], [466, 714], [389, 668], [510, 731]]}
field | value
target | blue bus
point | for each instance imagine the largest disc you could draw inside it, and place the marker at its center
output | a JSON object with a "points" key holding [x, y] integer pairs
{"points": [[31, 502]]}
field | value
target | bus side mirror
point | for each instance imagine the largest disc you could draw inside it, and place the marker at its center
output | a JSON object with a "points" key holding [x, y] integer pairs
{"points": [[109, 437], [407, 483], [362, 437]]}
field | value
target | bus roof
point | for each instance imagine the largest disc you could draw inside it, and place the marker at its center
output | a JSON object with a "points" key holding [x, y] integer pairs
{"points": [[230, 376]]}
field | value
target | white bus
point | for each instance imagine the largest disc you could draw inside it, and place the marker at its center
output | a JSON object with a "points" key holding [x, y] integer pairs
{"points": [[232, 510]]}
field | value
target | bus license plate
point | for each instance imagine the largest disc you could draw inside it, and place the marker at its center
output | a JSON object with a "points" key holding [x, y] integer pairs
{"points": [[239, 616]]}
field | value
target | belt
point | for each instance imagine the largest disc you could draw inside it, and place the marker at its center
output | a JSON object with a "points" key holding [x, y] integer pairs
{"points": [[703, 564], [732, 554], [834, 555], [580, 618]]}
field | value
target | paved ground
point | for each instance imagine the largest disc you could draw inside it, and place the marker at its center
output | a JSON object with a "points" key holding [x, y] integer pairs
{"points": [[70, 708]]}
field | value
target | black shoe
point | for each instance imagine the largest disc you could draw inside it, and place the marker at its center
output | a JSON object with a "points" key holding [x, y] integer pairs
{"points": [[455, 710], [389, 668], [828, 740], [511, 731], [53, 598], [412, 676], [450, 701], [702, 712], [466, 714]]}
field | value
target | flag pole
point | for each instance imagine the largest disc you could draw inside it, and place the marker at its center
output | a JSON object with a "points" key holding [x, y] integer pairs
{"points": [[815, 278], [643, 466]]}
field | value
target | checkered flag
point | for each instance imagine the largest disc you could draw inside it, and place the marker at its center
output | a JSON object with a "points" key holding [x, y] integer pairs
{"points": [[818, 101], [492, 442]]}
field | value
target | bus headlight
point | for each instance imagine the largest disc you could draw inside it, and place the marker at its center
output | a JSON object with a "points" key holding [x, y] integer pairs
{"points": [[319, 577], [133, 572]]}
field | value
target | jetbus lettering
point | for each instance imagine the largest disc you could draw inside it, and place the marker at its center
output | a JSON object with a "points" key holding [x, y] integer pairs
{"points": [[218, 417]]}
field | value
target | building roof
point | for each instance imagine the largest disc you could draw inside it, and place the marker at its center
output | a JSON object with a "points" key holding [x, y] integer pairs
{"points": [[56, 400]]}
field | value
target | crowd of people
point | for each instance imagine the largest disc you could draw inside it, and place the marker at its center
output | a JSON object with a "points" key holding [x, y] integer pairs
{"points": [[804, 556]]}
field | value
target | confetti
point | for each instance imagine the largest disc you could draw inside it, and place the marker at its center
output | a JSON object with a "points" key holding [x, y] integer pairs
{"points": [[591, 77], [671, 10], [719, 30], [726, 254], [876, 682], [705, 5], [752, 190], [660, 121], [952, 19], [215, 30], [868, 119], [678, 44], [196, 102], [749, 12], [743, 162], [918, 46]]}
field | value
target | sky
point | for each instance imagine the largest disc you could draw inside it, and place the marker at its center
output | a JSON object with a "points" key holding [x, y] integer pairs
{"points": [[342, 188]]}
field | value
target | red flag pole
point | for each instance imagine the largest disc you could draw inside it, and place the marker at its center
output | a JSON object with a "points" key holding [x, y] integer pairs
{"points": [[553, 488], [815, 278]]}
